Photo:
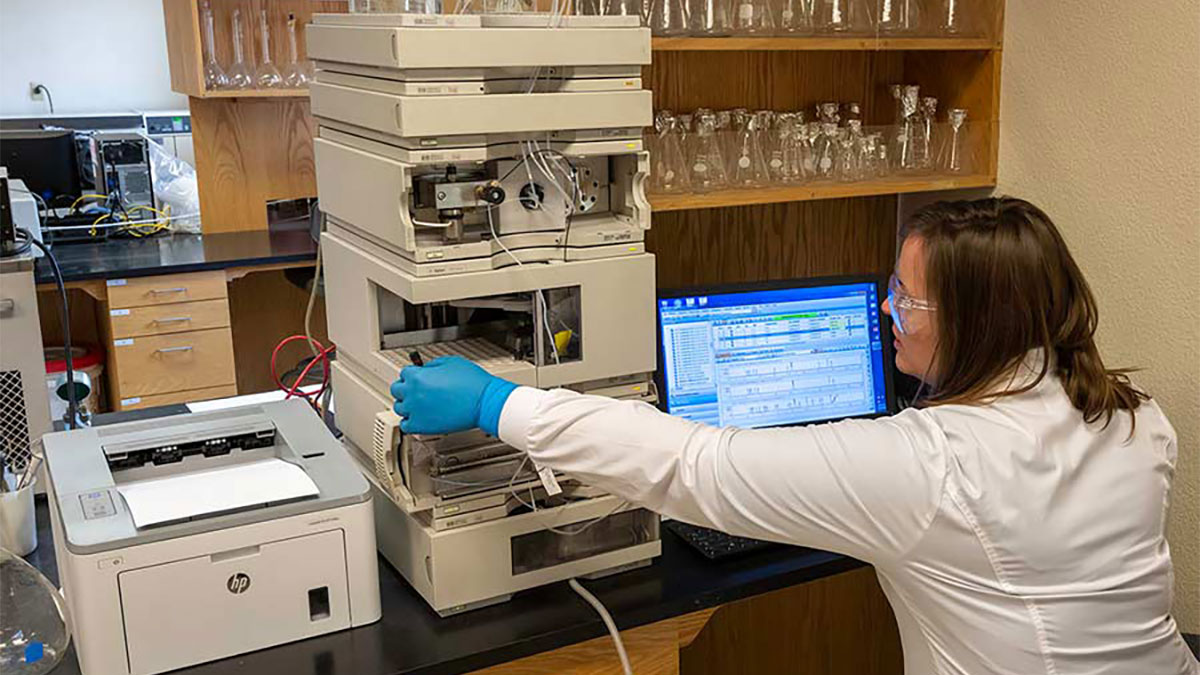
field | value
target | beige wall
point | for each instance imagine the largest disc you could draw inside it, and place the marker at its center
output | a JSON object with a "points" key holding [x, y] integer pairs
{"points": [[1101, 127]]}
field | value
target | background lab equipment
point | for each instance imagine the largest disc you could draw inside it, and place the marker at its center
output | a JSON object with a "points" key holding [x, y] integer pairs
{"points": [[196, 537], [514, 152]]}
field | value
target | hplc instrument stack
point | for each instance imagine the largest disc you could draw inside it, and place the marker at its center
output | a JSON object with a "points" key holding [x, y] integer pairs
{"points": [[482, 178]]}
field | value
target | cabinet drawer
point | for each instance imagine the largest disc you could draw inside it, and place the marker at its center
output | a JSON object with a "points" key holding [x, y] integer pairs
{"points": [[177, 362], [152, 400], [171, 288], [174, 318]]}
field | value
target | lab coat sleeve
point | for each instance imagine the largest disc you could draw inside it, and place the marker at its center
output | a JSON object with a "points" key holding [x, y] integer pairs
{"points": [[867, 488]]}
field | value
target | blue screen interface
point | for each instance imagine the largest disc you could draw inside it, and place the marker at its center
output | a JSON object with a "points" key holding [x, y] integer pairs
{"points": [[773, 357]]}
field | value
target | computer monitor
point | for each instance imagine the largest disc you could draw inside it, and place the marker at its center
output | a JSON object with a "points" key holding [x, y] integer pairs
{"points": [[775, 354], [45, 160]]}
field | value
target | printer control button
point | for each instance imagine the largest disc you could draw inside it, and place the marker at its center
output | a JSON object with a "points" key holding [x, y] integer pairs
{"points": [[106, 563], [97, 505]]}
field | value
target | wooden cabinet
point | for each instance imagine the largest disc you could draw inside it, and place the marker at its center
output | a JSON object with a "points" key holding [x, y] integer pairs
{"points": [[169, 339]]}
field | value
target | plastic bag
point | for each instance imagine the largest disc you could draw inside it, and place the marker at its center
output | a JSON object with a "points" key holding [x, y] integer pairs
{"points": [[175, 186]]}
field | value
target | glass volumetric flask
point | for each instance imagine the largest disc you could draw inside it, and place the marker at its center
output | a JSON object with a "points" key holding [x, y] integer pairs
{"points": [[844, 16], [708, 162], [295, 74], [266, 76], [796, 17], [903, 141], [239, 71], [214, 76], [749, 166], [825, 149], [898, 16], [954, 144], [924, 144], [668, 17], [754, 17], [711, 18]]}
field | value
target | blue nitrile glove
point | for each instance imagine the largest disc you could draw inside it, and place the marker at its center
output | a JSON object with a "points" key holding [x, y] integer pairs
{"points": [[449, 394]]}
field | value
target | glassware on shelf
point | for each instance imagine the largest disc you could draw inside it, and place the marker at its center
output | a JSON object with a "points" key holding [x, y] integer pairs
{"points": [[953, 155], [825, 148], [435, 7], [707, 171], [295, 74], [587, 7], [214, 77], [851, 17], [710, 18], [828, 112], [266, 76], [852, 110], [951, 19], [924, 144], [796, 17], [749, 167], [808, 138], [667, 170], [898, 16], [753, 17], [239, 70], [623, 8], [789, 133], [668, 18], [902, 150]]}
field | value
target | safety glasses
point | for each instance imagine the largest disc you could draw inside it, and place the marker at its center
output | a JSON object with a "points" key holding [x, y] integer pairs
{"points": [[903, 304]]}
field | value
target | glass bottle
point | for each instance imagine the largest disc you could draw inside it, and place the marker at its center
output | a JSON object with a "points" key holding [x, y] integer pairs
{"points": [[754, 17], [851, 17], [825, 151], [239, 71], [668, 17], [667, 166], [796, 17], [710, 18], [954, 151], [266, 76], [708, 162], [749, 167], [898, 16], [904, 134], [924, 145], [295, 75], [214, 77]]}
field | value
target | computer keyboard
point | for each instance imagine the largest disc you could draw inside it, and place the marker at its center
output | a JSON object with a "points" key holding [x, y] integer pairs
{"points": [[715, 545]]}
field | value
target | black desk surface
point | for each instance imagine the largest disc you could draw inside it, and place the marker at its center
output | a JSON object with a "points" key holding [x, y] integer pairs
{"points": [[412, 639], [176, 253]]}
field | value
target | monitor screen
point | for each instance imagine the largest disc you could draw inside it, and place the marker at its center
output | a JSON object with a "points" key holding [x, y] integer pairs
{"points": [[761, 358]]}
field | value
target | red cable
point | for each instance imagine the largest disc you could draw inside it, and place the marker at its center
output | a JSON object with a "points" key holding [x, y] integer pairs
{"points": [[322, 357]]}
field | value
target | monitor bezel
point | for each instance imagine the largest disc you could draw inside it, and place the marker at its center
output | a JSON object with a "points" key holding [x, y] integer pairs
{"points": [[885, 328]]}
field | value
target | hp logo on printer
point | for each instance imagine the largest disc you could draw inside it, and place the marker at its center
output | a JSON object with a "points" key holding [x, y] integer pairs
{"points": [[238, 583]]}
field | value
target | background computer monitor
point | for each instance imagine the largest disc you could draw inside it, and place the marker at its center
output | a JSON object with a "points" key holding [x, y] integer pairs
{"points": [[775, 354], [45, 160]]}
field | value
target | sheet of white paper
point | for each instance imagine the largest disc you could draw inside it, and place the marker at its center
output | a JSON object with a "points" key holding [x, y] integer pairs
{"points": [[163, 500], [247, 399]]}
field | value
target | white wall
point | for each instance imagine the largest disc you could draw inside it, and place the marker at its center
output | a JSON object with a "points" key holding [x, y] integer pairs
{"points": [[94, 55], [1101, 127]]}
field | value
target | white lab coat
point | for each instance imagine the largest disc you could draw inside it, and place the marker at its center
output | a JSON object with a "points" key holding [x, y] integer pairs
{"points": [[1010, 537]]}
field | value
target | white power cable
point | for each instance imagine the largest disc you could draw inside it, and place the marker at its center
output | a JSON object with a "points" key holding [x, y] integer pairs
{"points": [[608, 623]]}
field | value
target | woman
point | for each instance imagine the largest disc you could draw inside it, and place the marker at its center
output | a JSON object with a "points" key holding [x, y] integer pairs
{"points": [[1015, 519]]}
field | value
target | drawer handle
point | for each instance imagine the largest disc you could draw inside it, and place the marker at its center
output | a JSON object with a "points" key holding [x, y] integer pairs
{"points": [[173, 319], [157, 291], [164, 350]]}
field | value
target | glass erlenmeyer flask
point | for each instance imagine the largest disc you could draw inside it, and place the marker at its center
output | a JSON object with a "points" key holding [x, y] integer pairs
{"points": [[807, 138], [710, 18], [749, 167], [825, 148], [844, 16], [266, 76], [239, 70], [954, 158], [214, 77], [754, 17], [667, 168], [295, 75], [708, 162], [898, 16], [775, 137], [796, 17], [789, 130], [668, 17]]}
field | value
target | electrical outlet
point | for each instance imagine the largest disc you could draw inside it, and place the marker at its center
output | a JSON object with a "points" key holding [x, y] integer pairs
{"points": [[35, 92]]}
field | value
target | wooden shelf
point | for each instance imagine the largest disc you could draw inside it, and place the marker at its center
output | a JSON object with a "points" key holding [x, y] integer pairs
{"points": [[256, 93], [821, 43], [816, 191]]}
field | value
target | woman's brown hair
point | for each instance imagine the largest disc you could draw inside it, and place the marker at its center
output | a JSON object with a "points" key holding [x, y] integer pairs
{"points": [[1004, 283]]}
